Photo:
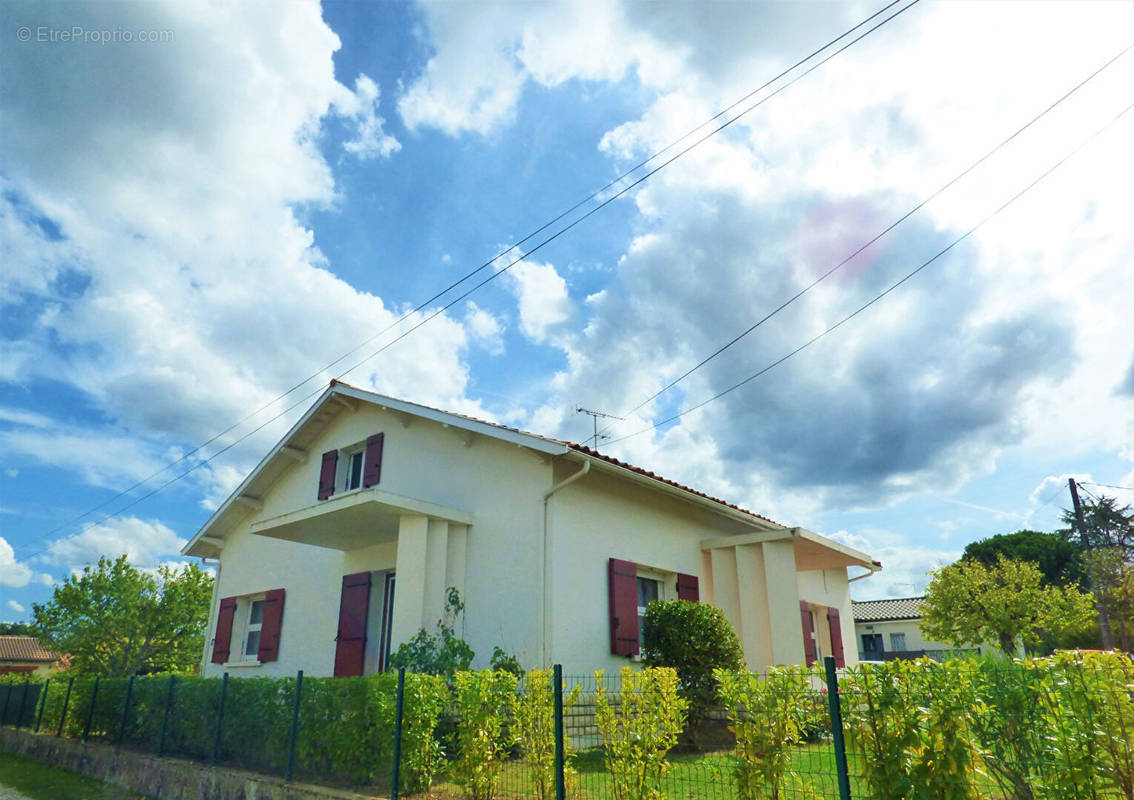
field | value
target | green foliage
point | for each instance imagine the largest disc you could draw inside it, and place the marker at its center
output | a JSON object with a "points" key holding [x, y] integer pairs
{"points": [[16, 629], [694, 639], [535, 729], [1112, 577], [1059, 559], [1106, 524], [969, 603], [769, 718], [442, 653], [639, 728], [505, 662], [912, 723], [484, 701], [115, 620]]}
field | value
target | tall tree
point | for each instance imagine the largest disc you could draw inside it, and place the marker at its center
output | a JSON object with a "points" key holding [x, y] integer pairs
{"points": [[1059, 559], [116, 620], [970, 603], [1106, 524], [16, 629]]}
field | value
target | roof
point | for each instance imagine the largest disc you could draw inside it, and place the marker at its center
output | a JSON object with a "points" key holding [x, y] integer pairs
{"points": [[24, 648], [324, 409], [884, 610]]}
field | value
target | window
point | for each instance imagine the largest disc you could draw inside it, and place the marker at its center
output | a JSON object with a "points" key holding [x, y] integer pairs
{"points": [[872, 643], [649, 590], [354, 471], [897, 641], [252, 630]]}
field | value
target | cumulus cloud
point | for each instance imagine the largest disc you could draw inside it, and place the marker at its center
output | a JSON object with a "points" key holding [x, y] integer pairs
{"points": [[541, 293], [485, 328], [362, 105], [145, 543], [905, 569], [17, 574], [14, 606]]}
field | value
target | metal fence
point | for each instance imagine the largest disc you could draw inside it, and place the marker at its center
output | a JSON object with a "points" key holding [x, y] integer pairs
{"points": [[963, 729]]}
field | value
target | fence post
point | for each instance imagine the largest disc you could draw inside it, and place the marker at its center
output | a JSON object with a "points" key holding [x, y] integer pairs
{"points": [[560, 749], [23, 703], [220, 719], [42, 704], [395, 779], [837, 728], [165, 717], [90, 711], [66, 702], [125, 711], [294, 727], [7, 697]]}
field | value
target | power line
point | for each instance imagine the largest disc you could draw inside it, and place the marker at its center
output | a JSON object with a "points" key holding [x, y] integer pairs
{"points": [[878, 297], [1108, 486], [878, 236], [486, 264]]}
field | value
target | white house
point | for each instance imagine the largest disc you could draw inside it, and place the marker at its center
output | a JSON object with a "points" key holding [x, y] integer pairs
{"points": [[342, 542], [888, 629]]}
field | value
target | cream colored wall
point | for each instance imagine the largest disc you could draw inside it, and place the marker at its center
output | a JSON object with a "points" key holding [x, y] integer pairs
{"points": [[914, 638], [500, 484], [830, 588]]}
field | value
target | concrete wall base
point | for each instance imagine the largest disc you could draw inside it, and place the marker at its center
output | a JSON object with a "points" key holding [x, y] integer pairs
{"points": [[161, 778]]}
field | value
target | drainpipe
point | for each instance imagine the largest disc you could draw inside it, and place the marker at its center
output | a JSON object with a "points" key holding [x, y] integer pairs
{"points": [[546, 566]]}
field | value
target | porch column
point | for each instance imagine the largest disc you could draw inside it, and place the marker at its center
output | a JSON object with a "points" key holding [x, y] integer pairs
{"points": [[726, 591], [756, 632], [409, 594], [455, 565], [436, 556], [782, 593]]}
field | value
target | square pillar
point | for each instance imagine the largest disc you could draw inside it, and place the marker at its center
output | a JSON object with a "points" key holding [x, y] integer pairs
{"points": [[782, 593], [726, 591], [756, 632], [436, 556], [409, 593], [455, 565]]}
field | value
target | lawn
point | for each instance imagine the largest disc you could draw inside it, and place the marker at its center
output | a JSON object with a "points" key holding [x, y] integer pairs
{"points": [[41, 782]]}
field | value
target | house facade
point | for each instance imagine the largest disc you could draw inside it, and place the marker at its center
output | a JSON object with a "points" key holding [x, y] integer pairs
{"points": [[345, 539], [889, 629], [24, 655]]}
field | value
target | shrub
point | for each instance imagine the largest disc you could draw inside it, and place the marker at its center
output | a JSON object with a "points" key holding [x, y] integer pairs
{"points": [[483, 701], [768, 717], [535, 729], [442, 653], [502, 661], [638, 734], [694, 639]]}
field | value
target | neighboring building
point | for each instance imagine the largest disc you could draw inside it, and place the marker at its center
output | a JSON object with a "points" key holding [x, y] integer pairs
{"points": [[555, 550], [24, 654], [889, 629]]}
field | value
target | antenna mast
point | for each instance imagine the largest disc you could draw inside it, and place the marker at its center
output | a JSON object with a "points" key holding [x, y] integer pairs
{"points": [[594, 415]]}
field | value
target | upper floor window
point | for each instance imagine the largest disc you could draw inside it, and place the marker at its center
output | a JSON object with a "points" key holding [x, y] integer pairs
{"points": [[354, 470], [252, 630]]}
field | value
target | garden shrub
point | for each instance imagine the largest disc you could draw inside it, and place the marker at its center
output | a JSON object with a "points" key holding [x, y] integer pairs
{"points": [[484, 701], [535, 730], [694, 639], [639, 729], [443, 653], [768, 717], [1008, 723]]}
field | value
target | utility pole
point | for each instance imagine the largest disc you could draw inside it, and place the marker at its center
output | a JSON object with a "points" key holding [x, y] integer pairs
{"points": [[1104, 620], [594, 419]]}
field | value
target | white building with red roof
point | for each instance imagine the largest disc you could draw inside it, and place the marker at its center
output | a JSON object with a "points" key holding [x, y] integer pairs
{"points": [[343, 542]]}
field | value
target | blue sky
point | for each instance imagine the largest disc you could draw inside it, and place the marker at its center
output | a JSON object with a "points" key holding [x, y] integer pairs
{"points": [[190, 226]]}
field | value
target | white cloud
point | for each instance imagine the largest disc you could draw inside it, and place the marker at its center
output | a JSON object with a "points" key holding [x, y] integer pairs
{"points": [[146, 543], [485, 328], [542, 295], [14, 606], [12, 572], [905, 569], [371, 141]]}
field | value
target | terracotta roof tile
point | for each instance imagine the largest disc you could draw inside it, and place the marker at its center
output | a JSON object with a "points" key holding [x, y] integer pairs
{"points": [[24, 648], [882, 610]]}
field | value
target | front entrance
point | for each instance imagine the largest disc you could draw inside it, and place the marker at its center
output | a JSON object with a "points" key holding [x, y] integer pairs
{"points": [[362, 643]]}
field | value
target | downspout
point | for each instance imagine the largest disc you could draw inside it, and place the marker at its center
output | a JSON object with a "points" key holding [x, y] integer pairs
{"points": [[545, 645]]}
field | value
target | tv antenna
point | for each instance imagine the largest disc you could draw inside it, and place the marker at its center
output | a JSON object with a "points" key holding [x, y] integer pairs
{"points": [[594, 415]]}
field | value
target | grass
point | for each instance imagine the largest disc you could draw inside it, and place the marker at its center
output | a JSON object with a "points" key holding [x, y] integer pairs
{"points": [[41, 782]]}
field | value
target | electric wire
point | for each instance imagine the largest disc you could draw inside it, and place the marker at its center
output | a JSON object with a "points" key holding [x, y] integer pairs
{"points": [[1108, 485], [196, 465], [883, 294]]}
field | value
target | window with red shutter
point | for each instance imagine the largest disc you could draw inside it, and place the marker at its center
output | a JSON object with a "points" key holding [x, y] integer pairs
{"points": [[688, 588], [350, 641], [372, 465], [272, 622], [836, 628], [327, 474], [623, 585], [810, 652], [222, 642]]}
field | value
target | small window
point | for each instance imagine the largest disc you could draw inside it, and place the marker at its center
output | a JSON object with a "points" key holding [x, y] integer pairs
{"points": [[252, 631], [897, 641], [649, 590], [354, 470]]}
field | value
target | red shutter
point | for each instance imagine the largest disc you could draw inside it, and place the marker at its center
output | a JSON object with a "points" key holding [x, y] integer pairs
{"points": [[327, 474], [623, 583], [223, 641], [836, 636], [270, 630], [687, 588], [808, 633], [372, 461], [350, 644]]}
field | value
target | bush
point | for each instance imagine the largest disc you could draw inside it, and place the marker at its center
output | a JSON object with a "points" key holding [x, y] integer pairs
{"points": [[637, 735], [484, 701], [535, 729], [442, 653], [694, 639]]}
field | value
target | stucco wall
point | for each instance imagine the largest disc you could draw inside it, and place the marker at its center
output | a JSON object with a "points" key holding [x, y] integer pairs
{"points": [[914, 638]]}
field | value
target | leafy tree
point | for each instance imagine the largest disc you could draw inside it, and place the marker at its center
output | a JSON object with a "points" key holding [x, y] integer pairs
{"points": [[970, 603], [443, 653], [116, 620], [16, 629], [694, 639], [1059, 559], [1106, 525], [1112, 576]]}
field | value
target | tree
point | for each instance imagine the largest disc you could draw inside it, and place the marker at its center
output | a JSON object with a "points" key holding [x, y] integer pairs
{"points": [[1112, 577], [1106, 524], [1059, 559], [116, 620], [16, 629], [970, 603], [694, 639]]}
